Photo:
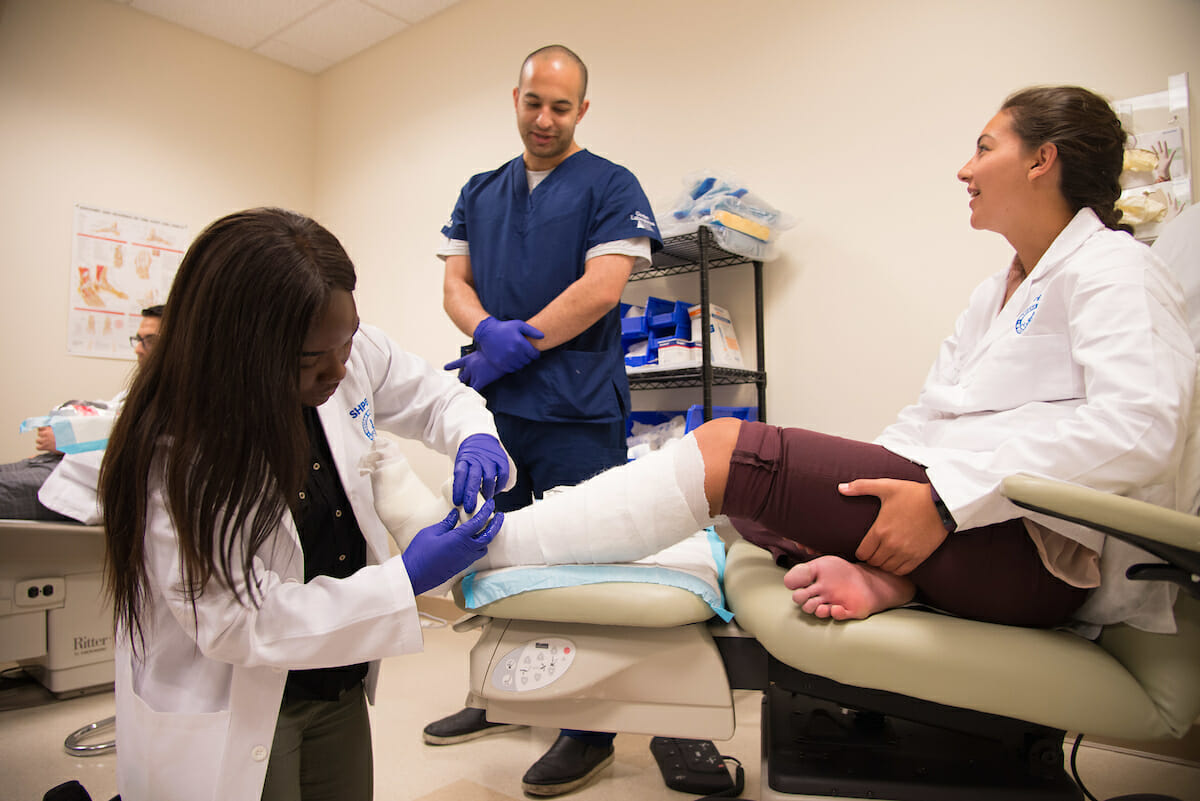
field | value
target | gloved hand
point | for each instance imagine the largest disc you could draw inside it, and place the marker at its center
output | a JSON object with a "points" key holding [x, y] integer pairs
{"points": [[480, 468], [475, 370], [441, 551], [504, 343]]}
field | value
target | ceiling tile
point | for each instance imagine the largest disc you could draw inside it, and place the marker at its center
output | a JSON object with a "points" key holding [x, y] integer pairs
{"points": [[310, 35], [412, 10], [341, 29], [238, 22], [294, 56]]}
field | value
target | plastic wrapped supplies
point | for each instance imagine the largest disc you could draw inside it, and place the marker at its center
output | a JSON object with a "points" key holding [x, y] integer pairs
{"points": [[78, 426], [740, 221]]}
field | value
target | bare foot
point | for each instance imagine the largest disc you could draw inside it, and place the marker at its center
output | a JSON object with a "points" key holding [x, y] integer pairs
{"points": [[829, 586]]}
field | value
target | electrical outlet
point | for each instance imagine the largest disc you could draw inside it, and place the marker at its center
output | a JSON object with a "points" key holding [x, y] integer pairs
{"points": [[40, 593]]}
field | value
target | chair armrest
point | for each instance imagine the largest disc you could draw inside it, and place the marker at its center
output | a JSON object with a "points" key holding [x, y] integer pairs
{"points": [[1172, 536]]}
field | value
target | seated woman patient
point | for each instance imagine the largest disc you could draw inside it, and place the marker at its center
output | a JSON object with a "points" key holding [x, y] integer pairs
{"points": [[1074, 363]]}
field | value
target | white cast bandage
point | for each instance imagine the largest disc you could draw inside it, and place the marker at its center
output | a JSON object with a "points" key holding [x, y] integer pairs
{"points": [[621, 515]]}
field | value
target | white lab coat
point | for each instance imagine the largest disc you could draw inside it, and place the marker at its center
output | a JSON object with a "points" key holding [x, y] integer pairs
{"points": [[196, 709], [70, 489], [1086, 376]]}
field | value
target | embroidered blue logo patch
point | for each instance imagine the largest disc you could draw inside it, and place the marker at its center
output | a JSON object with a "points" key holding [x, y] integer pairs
{"points": [[643, 221], [1027, 316], [362, 413]]}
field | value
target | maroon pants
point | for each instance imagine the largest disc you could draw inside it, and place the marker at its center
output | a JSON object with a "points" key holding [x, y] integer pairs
{"points": [[782, 491]]}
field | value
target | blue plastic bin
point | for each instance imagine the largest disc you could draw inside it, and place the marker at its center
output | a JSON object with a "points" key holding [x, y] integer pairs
{"points": [[695, 414], [668, 318]]}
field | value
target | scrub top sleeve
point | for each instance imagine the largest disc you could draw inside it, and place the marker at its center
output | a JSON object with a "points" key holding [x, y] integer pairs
{"points": [[456, 228], [624, 213]]}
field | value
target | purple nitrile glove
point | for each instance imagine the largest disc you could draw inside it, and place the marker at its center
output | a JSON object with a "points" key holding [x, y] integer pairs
{"points": [[480, 468], [443, 550], [475, 370], [505, 343]]}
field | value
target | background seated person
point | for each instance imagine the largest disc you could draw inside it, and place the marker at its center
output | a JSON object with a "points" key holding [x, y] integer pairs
{"points": [[57, 486]]}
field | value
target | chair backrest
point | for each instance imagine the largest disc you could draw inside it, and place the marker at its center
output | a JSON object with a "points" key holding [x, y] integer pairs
{"points": [[1179, 247], [1167, 666], [1188, 482]]}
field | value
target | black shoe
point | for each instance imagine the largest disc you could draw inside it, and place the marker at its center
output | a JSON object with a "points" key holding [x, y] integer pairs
{"points": [[466, 724], [567, 766]]}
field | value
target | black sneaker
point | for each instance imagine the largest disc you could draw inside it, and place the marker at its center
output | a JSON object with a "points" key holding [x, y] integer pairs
{"points": [[568, 765], [466, 724]]}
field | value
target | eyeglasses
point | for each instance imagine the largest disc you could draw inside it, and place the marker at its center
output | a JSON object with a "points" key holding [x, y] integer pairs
{"points": [[146, 342]]}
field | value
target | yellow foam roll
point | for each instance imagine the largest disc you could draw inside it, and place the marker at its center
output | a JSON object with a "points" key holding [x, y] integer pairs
{"points": [[740, 223]]}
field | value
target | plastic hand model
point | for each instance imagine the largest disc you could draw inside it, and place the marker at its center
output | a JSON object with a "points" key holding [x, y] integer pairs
{"points": [[480, 468], [1162, 171], [475, 370], [506, 344], [441, 551]]}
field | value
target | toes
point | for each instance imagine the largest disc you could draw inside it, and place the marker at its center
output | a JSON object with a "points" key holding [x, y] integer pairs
{"points": [[839, 612], [798, 576]]}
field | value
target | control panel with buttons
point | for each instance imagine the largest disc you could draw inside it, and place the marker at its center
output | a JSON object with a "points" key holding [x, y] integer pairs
{"points": [[533, 665]]}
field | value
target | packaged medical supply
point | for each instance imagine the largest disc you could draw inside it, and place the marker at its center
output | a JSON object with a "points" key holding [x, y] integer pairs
{"points": [[679, 353], [649, 431], [78, 426], [740, 221], [726, 352]]}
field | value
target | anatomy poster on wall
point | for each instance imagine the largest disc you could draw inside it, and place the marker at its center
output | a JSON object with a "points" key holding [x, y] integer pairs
{"points": [[120, 264]]}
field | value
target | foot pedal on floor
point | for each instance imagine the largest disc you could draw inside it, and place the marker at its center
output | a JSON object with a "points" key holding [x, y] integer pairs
{"points": [[694, 766]]}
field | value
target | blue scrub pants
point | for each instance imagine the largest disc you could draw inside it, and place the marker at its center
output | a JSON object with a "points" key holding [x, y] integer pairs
{"points": [[549, 455]]}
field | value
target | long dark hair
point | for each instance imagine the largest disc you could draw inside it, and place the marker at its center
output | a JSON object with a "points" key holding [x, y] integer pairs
{"points": [[214, 418], [1090, 142]]}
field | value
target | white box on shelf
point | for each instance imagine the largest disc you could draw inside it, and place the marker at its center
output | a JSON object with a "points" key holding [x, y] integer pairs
{"points": [[678, 353], [726, 352]]}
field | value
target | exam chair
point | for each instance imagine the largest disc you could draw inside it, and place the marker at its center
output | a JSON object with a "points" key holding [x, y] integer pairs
{"points": [[908, 705], [911, 704]]}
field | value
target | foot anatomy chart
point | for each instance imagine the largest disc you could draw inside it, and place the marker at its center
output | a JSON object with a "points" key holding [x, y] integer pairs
{"points": [[120, 264]]}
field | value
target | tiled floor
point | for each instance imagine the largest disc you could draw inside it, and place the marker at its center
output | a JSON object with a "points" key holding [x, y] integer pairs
{"points": [[417, 689]]}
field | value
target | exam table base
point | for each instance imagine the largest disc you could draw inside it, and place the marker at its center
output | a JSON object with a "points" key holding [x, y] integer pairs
{"points": [[818, 749], [669, 682], [62, 638]]}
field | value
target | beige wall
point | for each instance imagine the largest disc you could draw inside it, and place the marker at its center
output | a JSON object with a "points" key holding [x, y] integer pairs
{"points": [[115, 109], [852, 116]]}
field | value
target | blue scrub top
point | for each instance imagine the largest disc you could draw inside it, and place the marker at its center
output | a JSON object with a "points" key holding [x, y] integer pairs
{"points": [[526, 249]]}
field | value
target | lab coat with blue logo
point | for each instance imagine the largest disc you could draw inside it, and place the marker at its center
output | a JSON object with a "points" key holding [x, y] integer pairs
{"points": [[1086, 376], [197, 705], [526, 249]]}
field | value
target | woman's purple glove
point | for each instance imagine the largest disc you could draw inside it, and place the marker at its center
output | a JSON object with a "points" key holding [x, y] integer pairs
{"points": [[443, 550], [475, 370], [480, 468], [505, 343]]}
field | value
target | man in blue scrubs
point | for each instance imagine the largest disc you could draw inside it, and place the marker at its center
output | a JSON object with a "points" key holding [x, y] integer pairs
{"points": [[537, 254]]}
